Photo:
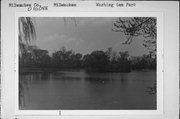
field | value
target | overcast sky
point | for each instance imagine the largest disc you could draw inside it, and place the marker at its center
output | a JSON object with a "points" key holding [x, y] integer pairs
{"points": [[90, 34]]}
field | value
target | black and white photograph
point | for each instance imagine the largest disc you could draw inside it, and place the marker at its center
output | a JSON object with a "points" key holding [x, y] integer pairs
{"points": [[89, 59], [87, 63]]}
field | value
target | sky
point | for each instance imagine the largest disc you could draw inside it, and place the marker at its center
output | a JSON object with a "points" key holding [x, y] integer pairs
{"points": [[83, 35]]}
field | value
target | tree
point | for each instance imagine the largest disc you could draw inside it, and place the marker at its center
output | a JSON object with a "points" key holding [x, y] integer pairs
{"points": [[138, 26], [41, 58], [123, 62], [27, 33], [97, 61], [87, 61], [76, 60], [143, 62], [66, 59], [124, 55], [100, 60], [59, 58]]}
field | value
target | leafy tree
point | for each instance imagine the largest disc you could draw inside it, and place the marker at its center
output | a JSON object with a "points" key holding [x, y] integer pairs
{"points": [[59, 57], [123, 62], [124, 55], [143, 62], [76, 60], [66, 59], [138, 26], [109, 53], [87, 61], [27, 33], [41, 58], [99, 60], [26, 60]]}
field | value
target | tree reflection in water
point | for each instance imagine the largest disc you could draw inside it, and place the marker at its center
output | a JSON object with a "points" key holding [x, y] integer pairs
{"points": [[23, 87]]}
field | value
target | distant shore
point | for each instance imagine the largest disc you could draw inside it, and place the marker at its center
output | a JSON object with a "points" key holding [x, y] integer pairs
{"points": [[43, 70]]}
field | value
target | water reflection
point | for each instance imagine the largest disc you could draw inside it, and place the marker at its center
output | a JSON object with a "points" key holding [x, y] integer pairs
{"points": [[82, 90]]}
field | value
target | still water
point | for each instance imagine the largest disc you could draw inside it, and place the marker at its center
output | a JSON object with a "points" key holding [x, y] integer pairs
{"points": [[80, 90]]}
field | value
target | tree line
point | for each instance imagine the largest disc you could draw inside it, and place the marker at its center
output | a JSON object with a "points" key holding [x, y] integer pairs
{"points": [[98, 60]]}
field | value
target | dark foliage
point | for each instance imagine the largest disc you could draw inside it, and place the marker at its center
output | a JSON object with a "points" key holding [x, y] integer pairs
{"points": [[101, 61]]}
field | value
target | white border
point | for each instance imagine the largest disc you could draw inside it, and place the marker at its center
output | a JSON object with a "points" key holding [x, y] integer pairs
{"points": [[170, 44], [158, 15]]}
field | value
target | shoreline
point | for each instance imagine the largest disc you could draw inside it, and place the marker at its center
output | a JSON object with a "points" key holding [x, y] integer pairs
{"points": [[49, 70]]}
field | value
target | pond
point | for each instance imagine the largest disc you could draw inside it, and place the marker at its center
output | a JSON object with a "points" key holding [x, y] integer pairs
{"points": [[79, 90]]}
